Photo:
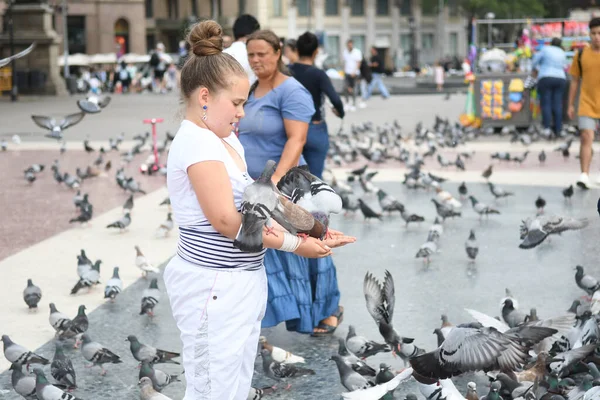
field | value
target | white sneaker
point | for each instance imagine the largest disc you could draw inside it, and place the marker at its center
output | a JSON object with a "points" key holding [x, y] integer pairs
{"points": [[362, 104], [583, 181], [351, 108], [346, 107]]}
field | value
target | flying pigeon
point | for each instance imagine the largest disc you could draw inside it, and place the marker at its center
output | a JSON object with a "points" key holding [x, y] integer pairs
{"points": [[535, 231], [8, 60], [55, 127], [93, 104]]}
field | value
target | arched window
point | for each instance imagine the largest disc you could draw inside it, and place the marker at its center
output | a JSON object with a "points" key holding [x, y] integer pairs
{"points": [[121, 36]]}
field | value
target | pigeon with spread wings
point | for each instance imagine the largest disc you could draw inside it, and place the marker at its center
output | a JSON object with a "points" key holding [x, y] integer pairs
{"points": [[55, 127], [93, 104], [8, 60]]}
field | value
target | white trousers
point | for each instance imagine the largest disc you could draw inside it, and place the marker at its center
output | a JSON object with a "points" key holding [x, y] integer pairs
{"points": [[218, 314]]}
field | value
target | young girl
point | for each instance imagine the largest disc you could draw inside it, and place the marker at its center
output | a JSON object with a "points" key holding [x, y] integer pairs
{"points": [[438, 73], [217, 293]]}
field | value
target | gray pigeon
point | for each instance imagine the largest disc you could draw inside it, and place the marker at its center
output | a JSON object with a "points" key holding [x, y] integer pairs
{"points": [[471, 246], [98, 354], [586, 282], [58, 320], [23, 384], [122, 223], [76, 327], [257, 394], [562, 362], [258, 202], [481, 208], [62, 368], [354, 362], [55, 127], [93, 104], [45, 391], [88, 278], [350, 379], [361, 347], [150, 298], [128, 206], [32, 295], [535, 231], [17, 354], [498, 192], [511, 315], [114, 286], [444, 210], [160, 380], [147, 392], [152, 355], [278, 371]]}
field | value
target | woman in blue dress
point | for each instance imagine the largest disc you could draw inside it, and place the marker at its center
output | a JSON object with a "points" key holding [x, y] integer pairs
{"points": [[302, 293]]}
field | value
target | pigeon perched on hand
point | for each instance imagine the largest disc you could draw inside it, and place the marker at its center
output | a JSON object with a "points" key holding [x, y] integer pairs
{"points": [[98, 354], [32, 295], [150, 298], [45, 391], [144, 353], [55, 127], [17, 354]]}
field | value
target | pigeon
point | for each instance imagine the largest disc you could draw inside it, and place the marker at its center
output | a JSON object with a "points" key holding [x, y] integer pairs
{"points": [[408, 218], [85, 215], [350, 379], [160, 380], [540, 203], [481, 208], [462, 190], [426, 250], [368, 212], [383, 388], [23, 53], [568, 192], [586, 282], [258, 202], [3, 144], [467, 348], [58, 320], [257, 394], [32, 295], [487, 173], [278, 371], [279, 354], [436, 231], [499, 192], [93, 104], [512, 316], [45, 391], [150, 298], [562, 362], [542, 157], [354, 362], [142, 263], [122, 223], [380, 299], [76, 327], [471, 246], [133, 186], [114, 286], [128, 206], [88, 278], [147, 391], [361, 347], [55, 127], [62, 368], [535, 231], [388, 203], [97, 354], [165, 227], [17, 354], [21, 383], [152, 355], [444, 210]]}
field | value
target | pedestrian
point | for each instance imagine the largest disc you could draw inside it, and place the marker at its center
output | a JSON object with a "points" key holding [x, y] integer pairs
{"points": [[217, 292], [290, 52], [552, 81], [278, 112], [377, 70], [243, 26], [159, 61], [438, 73], [352, 60], [585, 72]]}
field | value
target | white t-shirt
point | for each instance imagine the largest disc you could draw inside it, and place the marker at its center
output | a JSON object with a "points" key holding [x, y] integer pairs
{"points": [[240, 53], [191, 145], [351, 61]]}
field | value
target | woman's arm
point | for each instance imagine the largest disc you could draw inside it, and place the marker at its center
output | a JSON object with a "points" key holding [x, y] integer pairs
{"points": [[537, 58], [296, 132], [327, 88]]}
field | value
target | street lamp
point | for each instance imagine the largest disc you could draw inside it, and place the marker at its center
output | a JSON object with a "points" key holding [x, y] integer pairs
{"points": [[490, 16]]}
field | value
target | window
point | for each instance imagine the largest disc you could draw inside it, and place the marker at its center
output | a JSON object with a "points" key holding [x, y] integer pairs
{"points": [[357, 7], [172, 9], [149, 8], [453, 43], [405, 42], [332, 48], [304, 7], [405, 7], [427, 41], [76, 33], [332, 7], [277, 12], [194, 8], [453, 8], [150, 42], [359, 42], [383, 7]]}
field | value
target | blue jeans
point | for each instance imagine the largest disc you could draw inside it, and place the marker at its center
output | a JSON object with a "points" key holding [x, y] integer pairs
{"points": [[551, 92], [316, 147], [377, 80]]}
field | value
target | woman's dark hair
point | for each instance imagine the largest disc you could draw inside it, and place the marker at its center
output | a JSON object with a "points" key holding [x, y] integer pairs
{"points": [[292, 44], [594, 23], [271, 38], [556, 42], [245, 25], [207, 65], [307, 44]]}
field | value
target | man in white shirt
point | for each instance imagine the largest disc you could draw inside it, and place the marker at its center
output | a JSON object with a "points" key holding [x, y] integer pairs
{"points": [[243, 26], [352, 60]]}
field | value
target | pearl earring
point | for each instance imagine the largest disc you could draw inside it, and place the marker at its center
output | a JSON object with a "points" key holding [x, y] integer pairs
{"points": [[204, 115]]}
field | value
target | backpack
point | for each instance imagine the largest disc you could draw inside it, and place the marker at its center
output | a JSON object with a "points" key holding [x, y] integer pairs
{"points": [[154, 60], [365, 71], [123, 75]]}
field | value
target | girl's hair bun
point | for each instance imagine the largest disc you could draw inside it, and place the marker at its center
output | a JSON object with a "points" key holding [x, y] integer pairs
{"points": [[206, 38]]}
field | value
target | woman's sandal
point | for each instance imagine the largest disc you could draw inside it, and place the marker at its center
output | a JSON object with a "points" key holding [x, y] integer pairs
{"points": [[329, 329]]}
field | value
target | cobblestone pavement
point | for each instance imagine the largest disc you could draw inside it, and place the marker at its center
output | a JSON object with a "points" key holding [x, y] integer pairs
{"points": [[542, 278]]}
